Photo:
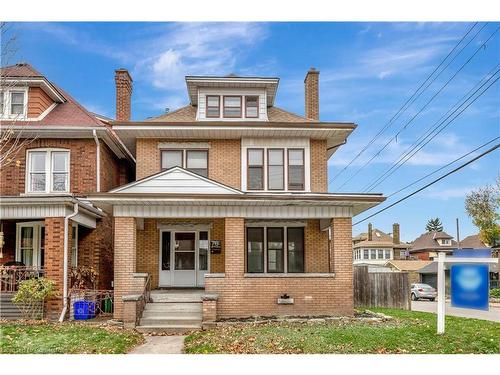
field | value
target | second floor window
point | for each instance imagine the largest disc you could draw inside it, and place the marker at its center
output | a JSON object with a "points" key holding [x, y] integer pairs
{"points": [[296, 169], [275, 170], [251, 106], [195, 161], [48, 171], [255, 169], [232, 106]]}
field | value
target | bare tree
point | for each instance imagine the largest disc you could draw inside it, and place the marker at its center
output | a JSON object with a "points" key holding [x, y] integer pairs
{"points": [[12, 140]]}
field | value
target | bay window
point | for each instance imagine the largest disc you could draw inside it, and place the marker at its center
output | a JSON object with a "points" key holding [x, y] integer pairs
{"points": [[275, 170], [48, 171], [296, 169], [232, 106], [255, 169]]}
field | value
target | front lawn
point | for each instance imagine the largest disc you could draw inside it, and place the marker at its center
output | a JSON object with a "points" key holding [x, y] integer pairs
{"points": [[74, 338], [410, 332]]}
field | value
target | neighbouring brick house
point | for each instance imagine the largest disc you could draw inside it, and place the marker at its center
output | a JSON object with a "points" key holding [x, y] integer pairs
{"points": [[428, 245], [232, 196], [376, 247], [61, 153]]}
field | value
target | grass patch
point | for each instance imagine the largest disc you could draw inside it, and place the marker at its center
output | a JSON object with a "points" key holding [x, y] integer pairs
{"points": [[70, 338], [409, 332]]}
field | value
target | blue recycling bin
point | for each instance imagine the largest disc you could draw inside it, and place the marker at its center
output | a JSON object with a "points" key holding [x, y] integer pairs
{"points": [[84, 310]]}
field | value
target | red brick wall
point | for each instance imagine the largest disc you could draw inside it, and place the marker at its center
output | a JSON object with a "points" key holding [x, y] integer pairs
{"points": [[241, 295]]}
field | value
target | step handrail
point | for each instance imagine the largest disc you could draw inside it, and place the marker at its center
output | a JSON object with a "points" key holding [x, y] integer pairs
{"points": [[145, 298]]}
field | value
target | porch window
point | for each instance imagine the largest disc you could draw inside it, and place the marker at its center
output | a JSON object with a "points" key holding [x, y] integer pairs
{"points": [[295, 248], [48, 171], [251, 106], [255, 250], [366, 254], [213, 106], [295, 169], [275, 258], [256, 169], [373, 254], [380, 254], [203, 251], [232, 106], [165, 251], [275, 169]]}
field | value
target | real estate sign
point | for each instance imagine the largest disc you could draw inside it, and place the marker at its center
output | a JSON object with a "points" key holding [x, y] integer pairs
{"points": [[470, 282]]}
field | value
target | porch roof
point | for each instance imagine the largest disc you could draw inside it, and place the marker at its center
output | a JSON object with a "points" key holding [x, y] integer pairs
{"points": [[251, 205], [42, 206]]}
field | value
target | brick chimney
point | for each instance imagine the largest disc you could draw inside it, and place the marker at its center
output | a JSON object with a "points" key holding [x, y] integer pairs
{"points": [[395, 234], [311, 84], [123, 83], [370, 228]]}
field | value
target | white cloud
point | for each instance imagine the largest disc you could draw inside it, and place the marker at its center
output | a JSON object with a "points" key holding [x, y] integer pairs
{"points": [[447, 194]]}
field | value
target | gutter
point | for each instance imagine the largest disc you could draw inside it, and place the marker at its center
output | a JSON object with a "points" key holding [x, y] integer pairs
{"points": [[98, 160], [65, 259]]}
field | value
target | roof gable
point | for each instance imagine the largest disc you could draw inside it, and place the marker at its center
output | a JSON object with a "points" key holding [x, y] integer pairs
{"points": [[176, 180]]}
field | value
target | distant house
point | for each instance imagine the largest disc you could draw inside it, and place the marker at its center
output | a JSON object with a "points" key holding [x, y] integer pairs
{"points": [[473, 242], [377, 247], [428, 245], [410, 266]]}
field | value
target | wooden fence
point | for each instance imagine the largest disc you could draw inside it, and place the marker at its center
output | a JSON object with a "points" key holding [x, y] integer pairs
{"points": [[381, 289]]}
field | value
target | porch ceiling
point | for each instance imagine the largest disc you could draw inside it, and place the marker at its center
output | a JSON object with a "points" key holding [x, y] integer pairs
{"points": [[244, 205]]}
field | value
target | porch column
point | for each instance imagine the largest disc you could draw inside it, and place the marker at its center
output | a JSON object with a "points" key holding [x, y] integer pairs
{"points": [[234, 243], [125, 261], [54, 261], [341, 258]]}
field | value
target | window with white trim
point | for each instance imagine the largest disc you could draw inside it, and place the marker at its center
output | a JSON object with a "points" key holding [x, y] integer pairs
{"points": [[13, 103], [47, 171]]}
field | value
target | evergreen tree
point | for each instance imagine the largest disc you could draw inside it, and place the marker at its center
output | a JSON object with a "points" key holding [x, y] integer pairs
{"points": [[434, 225]]}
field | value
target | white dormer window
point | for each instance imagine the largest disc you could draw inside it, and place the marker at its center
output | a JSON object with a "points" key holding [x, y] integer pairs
{"points": [[251, 106], [47, 171], [13, 103], [232, 106], [445, 242], [213, 106]]}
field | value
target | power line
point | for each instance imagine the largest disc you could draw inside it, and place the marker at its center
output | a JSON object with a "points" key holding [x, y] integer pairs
{"points": [[405, 156], [421, 109], [402, 108], [430, 183], [443, 167]]}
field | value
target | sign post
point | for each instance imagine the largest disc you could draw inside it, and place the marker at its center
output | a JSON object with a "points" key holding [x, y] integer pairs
{"points": [[469, 281]]}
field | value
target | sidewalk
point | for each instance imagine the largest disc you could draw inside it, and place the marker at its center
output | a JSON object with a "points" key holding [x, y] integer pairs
{"points": [[426, 306], [161, 345]]}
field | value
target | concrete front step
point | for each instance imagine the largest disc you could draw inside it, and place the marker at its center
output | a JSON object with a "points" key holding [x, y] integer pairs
{"points": [[170, 321], [186, 307], [172, 314], [176, 297]]}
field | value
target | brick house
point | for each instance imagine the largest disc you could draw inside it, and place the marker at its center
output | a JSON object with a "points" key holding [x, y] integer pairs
{"points": [[66, 153], [428, 245], [231, 197]]}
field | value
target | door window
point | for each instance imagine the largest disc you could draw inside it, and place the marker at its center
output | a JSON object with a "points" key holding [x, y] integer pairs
{"points": [[27, 245], [184, 251], [203, 251]]}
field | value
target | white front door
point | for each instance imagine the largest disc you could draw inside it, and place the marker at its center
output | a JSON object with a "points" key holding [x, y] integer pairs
{"points": [[30, 243], [184, 258]]}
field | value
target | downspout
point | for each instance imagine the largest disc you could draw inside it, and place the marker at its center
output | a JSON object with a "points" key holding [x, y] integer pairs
{"points": [[98, 161], [65, 257]]}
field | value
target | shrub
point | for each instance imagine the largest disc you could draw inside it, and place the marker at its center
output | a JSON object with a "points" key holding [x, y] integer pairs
{"points": [[31, 295], [83, 277], [495, 293]]}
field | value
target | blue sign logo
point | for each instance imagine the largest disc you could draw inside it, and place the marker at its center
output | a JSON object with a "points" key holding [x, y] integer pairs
{"points": [[470, 282]]}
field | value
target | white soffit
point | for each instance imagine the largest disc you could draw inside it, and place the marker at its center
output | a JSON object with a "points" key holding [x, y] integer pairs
{"points": [[176, 181]]}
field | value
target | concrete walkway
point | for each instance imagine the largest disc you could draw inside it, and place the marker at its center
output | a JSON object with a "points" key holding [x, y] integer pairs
{"points": [[493, 314], [161, 345]]}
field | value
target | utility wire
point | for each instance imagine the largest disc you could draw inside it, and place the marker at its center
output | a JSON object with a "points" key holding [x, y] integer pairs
{"points": [[402, 108], [405, 156], [421, 109], [430, 183], [443, 167]]}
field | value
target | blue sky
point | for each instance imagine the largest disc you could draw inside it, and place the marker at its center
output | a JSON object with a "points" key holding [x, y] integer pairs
{"points": [[368, 70]]}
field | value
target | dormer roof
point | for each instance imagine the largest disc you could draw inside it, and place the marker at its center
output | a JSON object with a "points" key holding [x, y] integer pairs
{"points": [[193, 83]]}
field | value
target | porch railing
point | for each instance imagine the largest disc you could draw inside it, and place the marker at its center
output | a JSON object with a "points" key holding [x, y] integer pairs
{"points": [[11, 276], [145, 297]]}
